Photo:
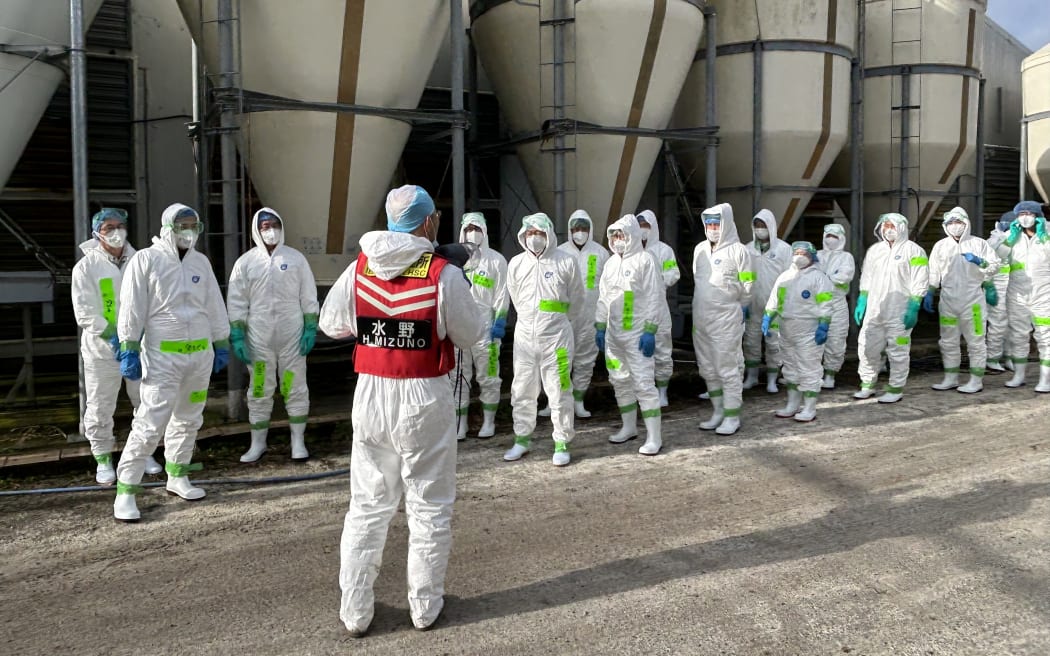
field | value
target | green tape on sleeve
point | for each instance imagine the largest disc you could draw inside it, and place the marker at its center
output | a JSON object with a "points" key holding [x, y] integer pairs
{"points": [[200, 396], [563, 369], [592, 270], [258, 379], [287, 380], [746, 276], [824, 297], [628, 310], [109, 300], [919, 261], [670, 264]]}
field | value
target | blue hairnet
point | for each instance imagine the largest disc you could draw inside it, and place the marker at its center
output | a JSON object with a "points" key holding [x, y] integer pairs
{"points": [[1005, 220], [107, 214], [407, 208], [805, 246], [1029, 206], [267, 214]]}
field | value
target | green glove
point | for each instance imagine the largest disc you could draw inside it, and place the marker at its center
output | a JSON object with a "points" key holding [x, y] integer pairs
{"points": [[306, 342], [237, 341], [991, 294], [862, 306], [911, 315]]}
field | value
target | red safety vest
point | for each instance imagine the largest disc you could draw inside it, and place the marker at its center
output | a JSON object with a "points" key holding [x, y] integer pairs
{"points": [[397, 322]]}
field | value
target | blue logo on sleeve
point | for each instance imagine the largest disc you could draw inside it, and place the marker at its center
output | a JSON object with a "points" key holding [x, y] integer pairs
{"points": [[196, 279], [548, 275], [284, 267], [805, 293]]}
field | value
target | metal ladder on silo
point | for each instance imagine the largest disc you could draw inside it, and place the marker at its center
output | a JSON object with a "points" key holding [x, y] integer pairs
{"points": [[557, 48], [905, 131]]}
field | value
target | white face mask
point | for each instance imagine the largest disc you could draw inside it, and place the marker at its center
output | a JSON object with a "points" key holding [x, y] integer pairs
{"points": [[801, 261], [831, 242], [713, 235], [889, 235], [618, 246], [473, 237], [955, 229], [115, 239], [270, 236], [1026, 221], [186, 238], [536, 243], [761, 234], [579, 238], [645, 234]]}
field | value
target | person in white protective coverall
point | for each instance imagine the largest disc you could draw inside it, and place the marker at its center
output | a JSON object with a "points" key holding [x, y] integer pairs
{"points": [[590, 260], [174, 333], [962, 266], [629, 308], [801, 300], [770, 257], [96, 292], [723, 281], [547, 291], [487, 272], [409, 309], [667, 262], [893, 280], [998, 319], [1028, 295], [272, 303], [838, 265]]}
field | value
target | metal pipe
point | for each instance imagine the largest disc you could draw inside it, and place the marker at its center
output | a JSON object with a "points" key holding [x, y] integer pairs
{"points": [[902, 189], [458, 150], [756, 132], [558, 70], [78, 118], [711, 109], [472, 104], [980, 157], [857, 142], [1022, 181]]}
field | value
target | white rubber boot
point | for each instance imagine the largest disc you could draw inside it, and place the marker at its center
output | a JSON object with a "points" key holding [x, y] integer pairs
{"points": [[653, 441], [561, 454], [829, 382], [704, 396], [864, 393], [298, 440], [544, 412], [522, 445], [1044, 379], [718, 403], [629, 431], [794, 401], [152, 466], [771, 382], [1018, 378], [1008, 364], [728, 426], [809, 409], [972, 386], [891, 397], [663, 397], [994, 366], [951, 381], [581, 412], [124, 507], [488, 426], [104, 472], [179, 483], [461, 427], [750, 377], [258, 446]]}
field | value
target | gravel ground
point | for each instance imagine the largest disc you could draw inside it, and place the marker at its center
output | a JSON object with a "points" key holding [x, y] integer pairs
{"points": [[917, 528]]}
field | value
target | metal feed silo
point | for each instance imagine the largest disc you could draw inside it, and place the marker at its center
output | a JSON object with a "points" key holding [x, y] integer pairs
{"points": [[1035, 83], [27, 80], [789, 60], [624, 62], [327, 173]]}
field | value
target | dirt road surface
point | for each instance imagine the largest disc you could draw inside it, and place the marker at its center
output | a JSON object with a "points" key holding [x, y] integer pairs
{"points": [[919, 528]]}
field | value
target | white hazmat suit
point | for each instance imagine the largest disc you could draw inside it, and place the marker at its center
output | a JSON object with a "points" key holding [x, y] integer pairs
{"points": [[629, 309], [667, 262], [839, 266], [1028, 305], [590, 260], [174, 306], [404, 443], [767, 261], [998, 318], [893, 280], [547, 293], [723, 281], [272, 299], [487, 272], [962, 307]]}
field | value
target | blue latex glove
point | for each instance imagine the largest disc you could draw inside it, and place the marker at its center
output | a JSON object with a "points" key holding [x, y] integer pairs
{"points": [[114, 343], [647, 344], [237, 341], [130, 365], [599, 339], [499, 328], [746, 309], [766, 321], [927, 302], [911, 315], [222, 358], [821, 335], [991, 295], [1040, 230], [862, 306], [306, 342], [973, 259], [1015, 233]]}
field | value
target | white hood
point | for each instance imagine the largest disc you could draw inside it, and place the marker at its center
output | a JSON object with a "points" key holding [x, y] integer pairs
{"points": [[582, 214], [729, 234], [654, 228], [957, 213], [632, 231], [770, 221], [167, 239], [390, 253], [257, 236], [543, 222], [838, 231]]}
